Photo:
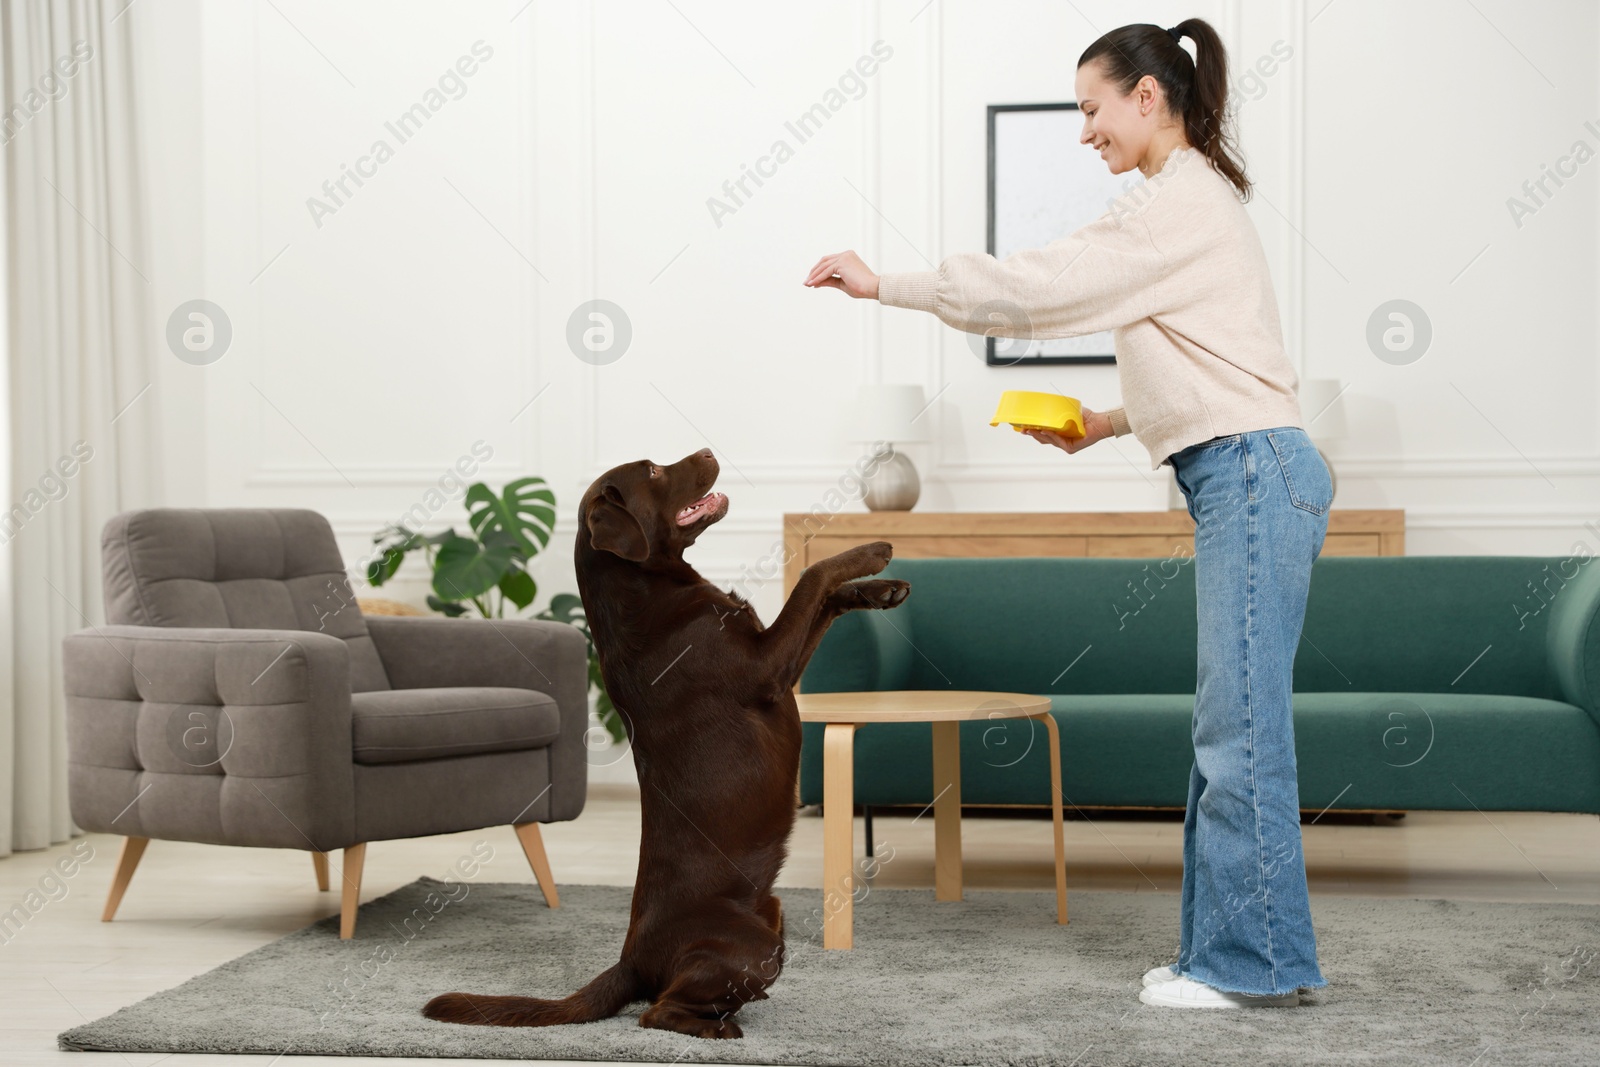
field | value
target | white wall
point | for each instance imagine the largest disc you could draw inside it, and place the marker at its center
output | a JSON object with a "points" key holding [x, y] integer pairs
{"points": [[372, 351], [168, 79]]}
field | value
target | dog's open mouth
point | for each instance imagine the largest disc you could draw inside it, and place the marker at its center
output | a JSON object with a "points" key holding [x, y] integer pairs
{"points": [[706, 506]]}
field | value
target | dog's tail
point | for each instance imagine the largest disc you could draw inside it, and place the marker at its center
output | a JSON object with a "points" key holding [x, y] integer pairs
{"points": [[611, 991]]}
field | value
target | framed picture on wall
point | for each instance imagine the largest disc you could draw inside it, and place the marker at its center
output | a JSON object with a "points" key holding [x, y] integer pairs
{"points": [[1043, 185]]}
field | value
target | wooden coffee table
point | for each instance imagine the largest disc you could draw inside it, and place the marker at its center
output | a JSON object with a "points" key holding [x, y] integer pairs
{"points": [[945, 710]]}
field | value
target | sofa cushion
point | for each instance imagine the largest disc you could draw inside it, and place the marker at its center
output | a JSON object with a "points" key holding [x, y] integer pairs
{"points": [[403, 725], [1361, 750]]}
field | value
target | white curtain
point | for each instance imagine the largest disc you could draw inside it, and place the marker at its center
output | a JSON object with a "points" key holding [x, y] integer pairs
{"points": [[80, 409]]}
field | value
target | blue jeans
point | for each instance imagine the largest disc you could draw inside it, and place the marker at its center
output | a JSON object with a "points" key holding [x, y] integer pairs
{"points": [[1260, 505]]}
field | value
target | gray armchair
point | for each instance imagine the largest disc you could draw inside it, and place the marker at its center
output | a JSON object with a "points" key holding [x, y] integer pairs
{"points": [[239, 697]]}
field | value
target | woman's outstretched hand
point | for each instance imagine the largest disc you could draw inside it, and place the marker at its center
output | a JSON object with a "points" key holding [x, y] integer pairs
{"points": [[1096, 426], [844, 270]]}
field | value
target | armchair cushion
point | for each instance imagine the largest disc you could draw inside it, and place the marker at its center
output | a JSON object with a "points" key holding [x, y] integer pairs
{"points": [[529, 654], [402, 725], [242, 568]]}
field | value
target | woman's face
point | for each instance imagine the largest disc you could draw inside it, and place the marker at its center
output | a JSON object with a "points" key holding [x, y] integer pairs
{"points": [[1112, 124]]}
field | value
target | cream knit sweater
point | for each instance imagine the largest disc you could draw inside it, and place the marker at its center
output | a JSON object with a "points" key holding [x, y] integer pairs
{"points": [[1176, 270]]}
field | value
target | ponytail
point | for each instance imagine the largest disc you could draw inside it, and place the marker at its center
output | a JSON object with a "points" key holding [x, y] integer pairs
{"points": [[1196, 89]]}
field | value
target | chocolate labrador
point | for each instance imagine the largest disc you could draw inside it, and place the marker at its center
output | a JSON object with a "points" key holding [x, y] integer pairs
{"points": [[707, 697]]}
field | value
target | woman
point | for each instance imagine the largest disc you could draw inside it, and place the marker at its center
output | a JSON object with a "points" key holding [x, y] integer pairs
{"points": [[1177, 270]]}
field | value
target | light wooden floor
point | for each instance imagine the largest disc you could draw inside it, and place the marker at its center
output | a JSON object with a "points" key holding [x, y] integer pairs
{"points": [[192, 907]]}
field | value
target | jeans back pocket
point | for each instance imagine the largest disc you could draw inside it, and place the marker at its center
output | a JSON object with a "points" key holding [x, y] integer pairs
{"points": [[1304, 472]]}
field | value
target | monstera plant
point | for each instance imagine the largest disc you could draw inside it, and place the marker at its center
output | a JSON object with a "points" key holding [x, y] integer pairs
{"points": [[568, 608], [488, 570]]}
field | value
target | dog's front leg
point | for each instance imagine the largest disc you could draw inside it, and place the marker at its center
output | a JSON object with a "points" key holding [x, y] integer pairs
{"points": [[788, 643], [879, 593]]}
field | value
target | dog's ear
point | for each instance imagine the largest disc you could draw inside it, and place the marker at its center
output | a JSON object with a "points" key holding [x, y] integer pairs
{"points": [[612, 527]]}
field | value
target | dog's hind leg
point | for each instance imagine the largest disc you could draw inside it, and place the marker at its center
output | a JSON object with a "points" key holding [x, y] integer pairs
{"points": [[771, 910], [713, 980], [693, 1020]]}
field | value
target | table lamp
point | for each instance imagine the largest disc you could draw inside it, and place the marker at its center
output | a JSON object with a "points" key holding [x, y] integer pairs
{"points": [[1322, 406], [892, 414]]}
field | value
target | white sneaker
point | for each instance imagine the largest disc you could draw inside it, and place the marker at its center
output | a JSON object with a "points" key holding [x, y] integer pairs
{"points": [[1187, 993], [1156, 975], [1159, 974]]}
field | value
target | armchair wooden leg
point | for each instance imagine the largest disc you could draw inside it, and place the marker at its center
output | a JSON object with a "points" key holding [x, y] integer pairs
{"points": [[533, 845], [319, 863], [355, 857], [127, 861]]}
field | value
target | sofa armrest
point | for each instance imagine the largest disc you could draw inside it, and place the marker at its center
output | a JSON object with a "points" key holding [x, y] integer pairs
{"points": [[862, 651], [224, 736], [1572, 641], [550, 657]]}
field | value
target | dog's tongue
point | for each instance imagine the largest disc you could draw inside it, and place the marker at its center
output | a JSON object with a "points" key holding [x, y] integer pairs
{"points": [[697, 509]]}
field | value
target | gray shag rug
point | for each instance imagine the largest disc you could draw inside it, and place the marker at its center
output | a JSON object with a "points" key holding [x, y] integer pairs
{"points": [[992, 980]]}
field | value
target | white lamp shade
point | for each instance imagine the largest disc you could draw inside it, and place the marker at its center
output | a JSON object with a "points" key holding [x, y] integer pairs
{"points": [[1323, 409], [893, 413]]}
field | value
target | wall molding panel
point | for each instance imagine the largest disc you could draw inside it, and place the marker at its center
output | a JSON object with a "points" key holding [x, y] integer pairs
{"points": [[375, 346]]}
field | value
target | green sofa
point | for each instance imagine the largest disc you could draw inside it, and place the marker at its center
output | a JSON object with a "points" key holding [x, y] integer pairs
{"points": [[1421, 682]]}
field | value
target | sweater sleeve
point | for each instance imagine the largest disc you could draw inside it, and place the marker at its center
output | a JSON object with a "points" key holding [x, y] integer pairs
{"points": [[1103, 276], [1119, 422]]}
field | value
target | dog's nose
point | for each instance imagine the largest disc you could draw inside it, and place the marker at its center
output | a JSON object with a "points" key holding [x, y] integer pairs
{"points": [[704, 453]]}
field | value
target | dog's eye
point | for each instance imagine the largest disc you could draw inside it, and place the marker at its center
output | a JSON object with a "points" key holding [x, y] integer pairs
{"points": [[655, 471]]}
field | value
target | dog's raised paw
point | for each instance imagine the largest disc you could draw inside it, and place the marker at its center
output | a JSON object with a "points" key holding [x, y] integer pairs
{"points": [[896, 593], [869, 558], [879, 593]]}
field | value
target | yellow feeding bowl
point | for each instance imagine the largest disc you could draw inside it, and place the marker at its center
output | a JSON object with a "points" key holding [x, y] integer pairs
{"points": [[1040, 411]]}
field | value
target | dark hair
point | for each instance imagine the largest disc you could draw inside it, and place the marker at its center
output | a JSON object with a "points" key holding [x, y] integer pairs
{"points": [[1196, 89]]}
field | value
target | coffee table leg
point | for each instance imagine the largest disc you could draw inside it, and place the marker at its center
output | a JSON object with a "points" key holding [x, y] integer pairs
{"points": [[1054, 734], [947, 810], [838, 835]]}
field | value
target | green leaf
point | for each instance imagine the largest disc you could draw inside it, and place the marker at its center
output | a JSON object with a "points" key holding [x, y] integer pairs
{"points": [[394, 532], [382, 569], [525, 511], [466, 568], [400, 541], [518, 587], [567, 608], [453, 610]]}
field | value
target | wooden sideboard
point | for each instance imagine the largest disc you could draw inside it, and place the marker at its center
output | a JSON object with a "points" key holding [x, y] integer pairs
{"points": [[1128, 534]]}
